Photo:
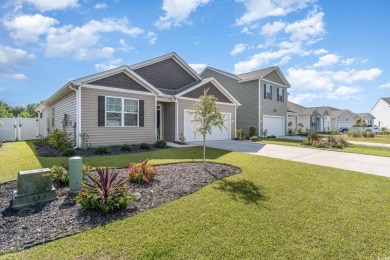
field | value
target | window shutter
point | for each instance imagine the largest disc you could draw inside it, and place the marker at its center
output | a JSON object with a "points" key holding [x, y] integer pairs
{"points": [[141, 113], [270, 88], [101, 110], [265, 91]]}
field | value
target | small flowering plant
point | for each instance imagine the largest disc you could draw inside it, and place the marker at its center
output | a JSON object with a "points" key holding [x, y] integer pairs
{"points": [[142, 172]]}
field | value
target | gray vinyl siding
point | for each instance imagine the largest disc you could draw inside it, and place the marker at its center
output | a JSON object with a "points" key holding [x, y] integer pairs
{"points": [[293, 121], [274, 77], [212, 90], [190, 104], [268, 106], [169, 121], [305, 121], [65, 105], [120, 80], [346, 117], [101, 136], [246, 94]]}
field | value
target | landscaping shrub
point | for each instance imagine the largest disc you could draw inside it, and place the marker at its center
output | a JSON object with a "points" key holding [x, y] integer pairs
{"points": [[182, 138], [252, 131], [127, 147], [314, 136], [102, 150], [354, 133], [271, 137], [85, 141], [142, 173], [69, 152], [60, 140], [61, 173], [334, 142], [290, 131], [385, 131], [160, 144], [239, 134], [300, 131], [264, 133], [145, 146], [106, 192], [253, 138], [368, 134]]}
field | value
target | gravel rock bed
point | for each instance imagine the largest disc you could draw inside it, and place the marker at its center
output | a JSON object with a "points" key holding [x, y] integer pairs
{"points": [[41, 223], [46, 150]]}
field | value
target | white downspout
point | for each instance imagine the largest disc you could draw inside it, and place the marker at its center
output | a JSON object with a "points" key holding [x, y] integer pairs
{"points": [[176, 117], [78, 115]]}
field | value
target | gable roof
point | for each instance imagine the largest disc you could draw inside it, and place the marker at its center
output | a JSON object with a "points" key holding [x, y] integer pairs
{"points": [[365, 115], [260, 74], [301, 110], [216, 84], [231, 75], [387, 100]]}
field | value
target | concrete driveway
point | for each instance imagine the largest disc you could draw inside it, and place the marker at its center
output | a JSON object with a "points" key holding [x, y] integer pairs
{"points": [[376, 165]]}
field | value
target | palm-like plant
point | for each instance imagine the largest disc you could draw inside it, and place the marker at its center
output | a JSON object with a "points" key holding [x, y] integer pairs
{"points": [[106, 184]]}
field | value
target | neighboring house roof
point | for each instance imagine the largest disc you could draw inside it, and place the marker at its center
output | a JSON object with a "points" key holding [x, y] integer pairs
{"points": [[387, 100], [255, 74], [301, 110], [222, 72], [365, 115]]}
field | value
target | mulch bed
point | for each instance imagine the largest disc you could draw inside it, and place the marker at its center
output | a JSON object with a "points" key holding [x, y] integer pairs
{"points": [[33, 225], [46, 150]]}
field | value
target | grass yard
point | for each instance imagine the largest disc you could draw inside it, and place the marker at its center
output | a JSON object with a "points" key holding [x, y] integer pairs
{"points": [[274, 209], [384, 139], [352, 148]]}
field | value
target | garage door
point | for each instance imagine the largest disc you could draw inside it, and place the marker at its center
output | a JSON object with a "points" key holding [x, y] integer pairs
{"points": [[274, 125], [347, 124], [216, 133]]}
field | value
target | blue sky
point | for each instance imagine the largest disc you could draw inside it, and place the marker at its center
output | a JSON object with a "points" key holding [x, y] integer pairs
{"points": [[333, 53]]}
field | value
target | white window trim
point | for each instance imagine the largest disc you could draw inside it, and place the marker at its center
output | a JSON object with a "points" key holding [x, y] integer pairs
{"points": [[265, 87], [122, 112], [278, 96]]}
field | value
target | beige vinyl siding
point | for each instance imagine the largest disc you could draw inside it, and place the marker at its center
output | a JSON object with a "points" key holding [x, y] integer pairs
{"points": [[99, 136], [305, 121], [346, 117], [292, 119], [333, 123], [65, 105], [190, 104], [268, 107], [274, 77], [169, 121]]}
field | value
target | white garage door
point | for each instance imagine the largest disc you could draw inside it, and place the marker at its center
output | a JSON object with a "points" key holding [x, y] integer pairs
{"points": [[216, 133], [347, 124], [274, 125]]}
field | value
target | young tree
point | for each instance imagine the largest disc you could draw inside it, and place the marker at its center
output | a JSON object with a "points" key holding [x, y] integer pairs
{"points": [[206, 117]]}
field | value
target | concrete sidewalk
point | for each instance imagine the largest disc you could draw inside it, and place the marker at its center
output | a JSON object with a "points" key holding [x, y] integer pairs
{"points": [[376, 165], [370, 144]]}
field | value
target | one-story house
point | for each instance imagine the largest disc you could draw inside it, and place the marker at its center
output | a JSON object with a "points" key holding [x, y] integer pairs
{"points": [[136, 104], [366, 117], [381, 112], [319, 119], [263, 95]]}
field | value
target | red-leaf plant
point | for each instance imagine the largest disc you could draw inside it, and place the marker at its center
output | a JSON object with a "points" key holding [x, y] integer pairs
{"points": [[106, 184]]}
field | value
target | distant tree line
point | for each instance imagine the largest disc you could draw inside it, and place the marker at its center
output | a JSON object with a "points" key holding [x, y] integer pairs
{"points": [[7, 111]]}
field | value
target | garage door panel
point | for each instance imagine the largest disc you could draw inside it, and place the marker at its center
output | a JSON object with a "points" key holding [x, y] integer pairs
{"points": [[274, 125], [347, 124], [216, 133]]}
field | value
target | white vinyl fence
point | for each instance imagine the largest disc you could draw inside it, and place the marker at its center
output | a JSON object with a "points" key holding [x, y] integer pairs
{"points": [[13, 129]]}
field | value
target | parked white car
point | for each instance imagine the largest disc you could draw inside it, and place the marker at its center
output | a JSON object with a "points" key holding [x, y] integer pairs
{"points": [[372, 128]]}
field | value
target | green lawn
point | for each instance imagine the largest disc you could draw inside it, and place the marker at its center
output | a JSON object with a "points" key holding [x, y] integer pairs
{"points": [[274, 209], [384, 139], [360, 149]]}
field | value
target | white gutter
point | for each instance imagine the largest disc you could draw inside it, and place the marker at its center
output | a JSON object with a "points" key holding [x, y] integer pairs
{"points": [[176, 117], [78, 114]]}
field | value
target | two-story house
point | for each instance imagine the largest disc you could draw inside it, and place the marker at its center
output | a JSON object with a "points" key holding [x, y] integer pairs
{"points": [[263, 97]]}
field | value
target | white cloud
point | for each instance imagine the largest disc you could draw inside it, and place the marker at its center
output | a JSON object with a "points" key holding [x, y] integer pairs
{"points": [[302, 97], [348, 61], [320, 51], [28, 28], [109, 65], [12, 57], [47, 5], [327, 60], [82, 41], [350, 76], [15, 76], [344, 92], [100, 6], [246, 30], [125, 46], [238, 49], [386, 85], [308, 29], [271, 29], [198, 67], [177, 12], [284, 60], [309, 79], [152, 37], [259, 9]]}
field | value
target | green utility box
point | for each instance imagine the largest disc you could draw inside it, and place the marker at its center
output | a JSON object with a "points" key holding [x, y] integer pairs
{"points": [[35, 186]]}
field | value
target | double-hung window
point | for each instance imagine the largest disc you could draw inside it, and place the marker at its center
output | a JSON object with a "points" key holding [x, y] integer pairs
{"points": [[280, 94], [267, 91], [122, 112]]}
